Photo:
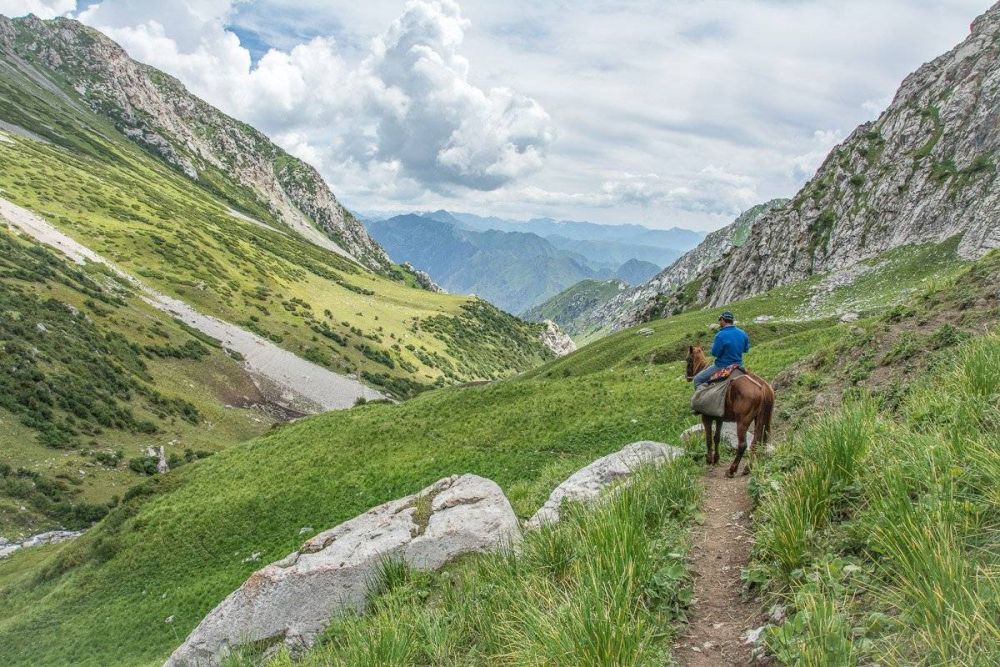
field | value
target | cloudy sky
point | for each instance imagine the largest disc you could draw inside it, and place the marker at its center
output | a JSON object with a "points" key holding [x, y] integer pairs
{"points": [[663, 112]]}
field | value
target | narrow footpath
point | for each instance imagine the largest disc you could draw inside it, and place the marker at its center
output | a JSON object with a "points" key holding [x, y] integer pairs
{"points": [[720, 617]]}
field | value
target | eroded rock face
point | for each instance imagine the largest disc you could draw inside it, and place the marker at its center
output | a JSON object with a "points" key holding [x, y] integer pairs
{"points": [[924, 172], [587, 484], [293, 599], [557, 340]]}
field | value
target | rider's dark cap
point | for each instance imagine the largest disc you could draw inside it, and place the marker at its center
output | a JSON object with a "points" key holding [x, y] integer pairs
{"points": [[727, 316]]}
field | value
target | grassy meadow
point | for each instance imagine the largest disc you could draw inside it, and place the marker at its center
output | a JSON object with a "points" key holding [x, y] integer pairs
{"points": [[177, 545]]}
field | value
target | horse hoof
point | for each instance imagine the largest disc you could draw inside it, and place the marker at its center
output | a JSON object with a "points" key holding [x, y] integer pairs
{"points": [[746, 470], [730, 473]]}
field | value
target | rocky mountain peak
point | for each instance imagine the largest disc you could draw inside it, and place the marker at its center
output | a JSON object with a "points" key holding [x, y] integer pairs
{"points": [[157, 112], [924, 172]]}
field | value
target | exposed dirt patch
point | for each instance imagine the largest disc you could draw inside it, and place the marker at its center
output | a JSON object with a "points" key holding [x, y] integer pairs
{"points": [[721, 617]]}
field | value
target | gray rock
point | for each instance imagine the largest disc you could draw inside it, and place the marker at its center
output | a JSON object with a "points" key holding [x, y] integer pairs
{"points": [[645, 331], [293, 599], [7, 551], [587, 484], [849, 317], [697, 433], [556, 340], [921, 173]]}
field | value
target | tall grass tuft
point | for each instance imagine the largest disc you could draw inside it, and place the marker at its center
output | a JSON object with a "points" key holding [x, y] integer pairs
{"points": [[910, 514]]}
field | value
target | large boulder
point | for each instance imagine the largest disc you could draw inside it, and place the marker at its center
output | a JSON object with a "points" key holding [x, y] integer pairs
{"points": [[293, 599], [697, 434], [587, 484]]}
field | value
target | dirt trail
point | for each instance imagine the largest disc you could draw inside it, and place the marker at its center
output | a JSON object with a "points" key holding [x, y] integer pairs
{"points": [[720, 618]]}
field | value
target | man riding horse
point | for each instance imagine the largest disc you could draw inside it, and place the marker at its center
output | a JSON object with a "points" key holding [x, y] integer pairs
{"points": [[728, 348], [749, 398]]}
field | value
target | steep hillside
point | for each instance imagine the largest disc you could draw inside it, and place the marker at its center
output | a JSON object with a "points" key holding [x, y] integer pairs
{"points": [[514, 270], [233, 160], [182, 236], [91, 376], [637, 304], [571, 307], [636, 272], [195, 313], [925, 171]]}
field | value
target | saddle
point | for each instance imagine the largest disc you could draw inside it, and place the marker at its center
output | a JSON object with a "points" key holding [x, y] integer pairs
{"points": [[726, 373], [710, 398]]}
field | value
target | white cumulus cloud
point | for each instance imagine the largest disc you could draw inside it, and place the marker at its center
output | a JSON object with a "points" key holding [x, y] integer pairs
{"points": [[407, 109], [45, 9]]}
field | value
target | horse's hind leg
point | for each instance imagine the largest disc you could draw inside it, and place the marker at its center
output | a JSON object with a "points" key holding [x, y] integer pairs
{"points": [[716, 440], [741, 437]]}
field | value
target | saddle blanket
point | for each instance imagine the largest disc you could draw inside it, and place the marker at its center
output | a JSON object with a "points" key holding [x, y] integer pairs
{"points": [[710, 398]]}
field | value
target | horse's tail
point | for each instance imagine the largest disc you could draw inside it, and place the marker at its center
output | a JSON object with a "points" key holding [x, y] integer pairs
{"points": [[762, 424]]}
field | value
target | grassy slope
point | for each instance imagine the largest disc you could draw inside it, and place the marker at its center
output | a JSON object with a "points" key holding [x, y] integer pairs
{"points": [[60, 435], [107, 595], [569, 308], [184, 550], [178, 236], [878, 525]]}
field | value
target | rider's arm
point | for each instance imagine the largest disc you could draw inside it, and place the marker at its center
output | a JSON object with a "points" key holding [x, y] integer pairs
{"points": [[717, 345]]}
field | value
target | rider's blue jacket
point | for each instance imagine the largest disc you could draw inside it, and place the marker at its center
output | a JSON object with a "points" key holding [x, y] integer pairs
{"points": [[729, 345]]}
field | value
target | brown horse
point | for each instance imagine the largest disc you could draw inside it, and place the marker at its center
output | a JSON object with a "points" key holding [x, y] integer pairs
{"points": [[750, 399]]}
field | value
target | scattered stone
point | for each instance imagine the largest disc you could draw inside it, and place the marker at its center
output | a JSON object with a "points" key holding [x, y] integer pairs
{"points": [[292, 600], [8, 547], [753, 636], [587, 484], [169, 619], [42, 329], [762, 318], [777, 613], [849, 317], [252, 558], [645, 331], [305, 530]]}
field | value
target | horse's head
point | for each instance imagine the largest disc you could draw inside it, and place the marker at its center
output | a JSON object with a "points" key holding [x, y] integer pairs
{"points": [[696, 361]]}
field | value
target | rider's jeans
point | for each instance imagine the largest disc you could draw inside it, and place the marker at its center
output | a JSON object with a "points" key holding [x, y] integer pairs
{"points": [[702, 377]]}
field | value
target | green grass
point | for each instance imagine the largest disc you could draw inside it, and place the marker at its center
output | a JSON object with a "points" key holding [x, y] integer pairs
{"points": [[179, 552], [179, 237], [881, 530], [90, 370], [603, 587]]}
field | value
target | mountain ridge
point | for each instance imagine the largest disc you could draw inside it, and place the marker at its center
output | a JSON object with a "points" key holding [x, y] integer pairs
{"points": [[923, 172], [157, 112]]}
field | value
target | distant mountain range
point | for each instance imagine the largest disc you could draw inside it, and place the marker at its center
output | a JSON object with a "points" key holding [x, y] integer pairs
{"points": [[518, 264], [512, 267]]}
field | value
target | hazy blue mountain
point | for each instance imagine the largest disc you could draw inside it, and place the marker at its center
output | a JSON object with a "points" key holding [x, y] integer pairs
{"points": [[513, 270], [636, 271]]}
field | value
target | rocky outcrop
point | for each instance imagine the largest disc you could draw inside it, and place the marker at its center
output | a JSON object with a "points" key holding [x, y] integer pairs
{"points": [[556, 340], [293, 599], [157, 112], [8, 547], [651, 299], [924, 172], [587, 484], [424, 279]]}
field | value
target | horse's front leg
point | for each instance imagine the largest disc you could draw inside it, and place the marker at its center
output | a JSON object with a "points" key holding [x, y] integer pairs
{"points": [[706, 423], [741, 448]]}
